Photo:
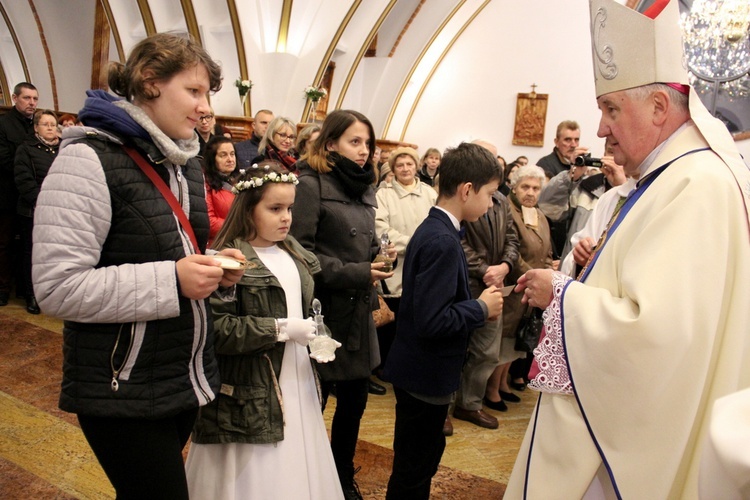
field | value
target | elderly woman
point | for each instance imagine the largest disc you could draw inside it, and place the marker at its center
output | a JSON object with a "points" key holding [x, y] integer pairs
{"points": [[219, 170], [277, 143], [403, 204], [535, 251]]}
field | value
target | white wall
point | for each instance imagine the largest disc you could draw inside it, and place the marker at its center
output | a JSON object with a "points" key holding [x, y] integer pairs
{"points": [[506, 49]]}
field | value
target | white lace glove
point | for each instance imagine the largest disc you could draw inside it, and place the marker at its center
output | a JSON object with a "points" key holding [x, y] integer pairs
{"points": [[299, 330]]}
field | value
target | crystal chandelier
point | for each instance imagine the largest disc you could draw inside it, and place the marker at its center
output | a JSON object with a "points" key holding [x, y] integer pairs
{"points": [[717, 46]]}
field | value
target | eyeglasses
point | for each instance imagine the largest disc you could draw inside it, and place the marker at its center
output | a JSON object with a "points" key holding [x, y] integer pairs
{"points": [[206, 118], [285, 137]]}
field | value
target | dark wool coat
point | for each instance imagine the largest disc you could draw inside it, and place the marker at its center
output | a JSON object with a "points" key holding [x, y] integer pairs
{"points": [[340, 231]]}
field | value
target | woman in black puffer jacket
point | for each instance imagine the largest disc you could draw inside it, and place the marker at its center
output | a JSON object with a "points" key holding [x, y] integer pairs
{"points": [[33, 159], [112, 260]]}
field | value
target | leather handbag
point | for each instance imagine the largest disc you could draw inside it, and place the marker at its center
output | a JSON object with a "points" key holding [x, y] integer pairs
{"points": [[529, 330], [383, 314]]}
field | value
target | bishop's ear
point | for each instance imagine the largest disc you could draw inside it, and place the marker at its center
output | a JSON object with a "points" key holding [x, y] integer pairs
{"points": [[661, 103]]}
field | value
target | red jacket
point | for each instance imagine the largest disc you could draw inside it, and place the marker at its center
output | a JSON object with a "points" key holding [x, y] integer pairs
{"points": [[218, 203]]}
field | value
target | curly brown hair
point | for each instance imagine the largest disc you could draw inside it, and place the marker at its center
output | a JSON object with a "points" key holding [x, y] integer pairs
{"points": [[158, 58]]}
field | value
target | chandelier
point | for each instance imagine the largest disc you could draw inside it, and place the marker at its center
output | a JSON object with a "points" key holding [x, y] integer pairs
{"points": [[717, 47]]}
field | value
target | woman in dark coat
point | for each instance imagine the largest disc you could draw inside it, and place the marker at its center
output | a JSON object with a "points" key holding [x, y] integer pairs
{"points": [[334, 217], [33, 159]]}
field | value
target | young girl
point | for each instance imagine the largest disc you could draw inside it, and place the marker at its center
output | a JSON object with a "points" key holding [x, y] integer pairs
{"points": [[335, 218], [264, 437]]}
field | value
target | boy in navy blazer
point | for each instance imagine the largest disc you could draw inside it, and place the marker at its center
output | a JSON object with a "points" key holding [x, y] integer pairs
{"points": [[436, 317]]}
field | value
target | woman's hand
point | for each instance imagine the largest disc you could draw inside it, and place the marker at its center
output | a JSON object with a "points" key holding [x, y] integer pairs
{"points": [[376, 274], [199, 276]]}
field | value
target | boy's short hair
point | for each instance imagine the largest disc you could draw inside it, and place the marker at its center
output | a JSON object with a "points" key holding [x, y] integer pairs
{"points": [[467, 163]]}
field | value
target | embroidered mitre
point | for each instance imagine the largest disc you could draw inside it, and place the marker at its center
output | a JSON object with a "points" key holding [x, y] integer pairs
{"points": [[630, 50]]}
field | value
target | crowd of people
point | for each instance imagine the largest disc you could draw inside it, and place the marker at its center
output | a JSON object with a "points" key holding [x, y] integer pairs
{"points": [[192, 273]]}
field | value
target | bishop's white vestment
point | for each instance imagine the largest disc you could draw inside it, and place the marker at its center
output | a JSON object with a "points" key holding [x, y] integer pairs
{"points": [[659, 329]]}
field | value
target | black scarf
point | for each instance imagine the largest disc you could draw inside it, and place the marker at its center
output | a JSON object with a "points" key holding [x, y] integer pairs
{"points": [[353, 178]]}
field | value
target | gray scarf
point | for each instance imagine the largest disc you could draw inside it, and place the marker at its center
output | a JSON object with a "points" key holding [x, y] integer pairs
{"points": [[177, 151]]}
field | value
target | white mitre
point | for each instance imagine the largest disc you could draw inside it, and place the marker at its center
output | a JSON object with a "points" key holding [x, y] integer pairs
{"points": [[630, 50]]}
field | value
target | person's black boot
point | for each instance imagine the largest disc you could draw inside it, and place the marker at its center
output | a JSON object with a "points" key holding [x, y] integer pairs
{"points": [[31, 306], [4, 298], [350, 487]]}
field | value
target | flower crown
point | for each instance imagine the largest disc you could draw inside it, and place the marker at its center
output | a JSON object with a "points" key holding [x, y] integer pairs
{"points": [[257, 180]]}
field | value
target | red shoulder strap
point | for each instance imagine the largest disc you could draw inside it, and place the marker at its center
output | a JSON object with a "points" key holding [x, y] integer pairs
{"points": [[166, 193]]}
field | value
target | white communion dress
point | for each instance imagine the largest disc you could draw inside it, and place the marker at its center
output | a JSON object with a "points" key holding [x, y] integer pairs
{"points": [[300, 466]]}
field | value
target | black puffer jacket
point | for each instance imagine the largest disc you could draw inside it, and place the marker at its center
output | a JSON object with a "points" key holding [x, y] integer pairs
{"points": [[33, 160], [105, 249], [167, 365]]}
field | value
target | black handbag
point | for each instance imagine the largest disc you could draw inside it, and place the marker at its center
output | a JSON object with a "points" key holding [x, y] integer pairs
{"points": [[529, 330]]}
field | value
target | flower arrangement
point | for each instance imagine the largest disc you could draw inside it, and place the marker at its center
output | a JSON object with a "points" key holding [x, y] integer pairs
{"points": [[243, 86], [315, 93], [254, 182]]}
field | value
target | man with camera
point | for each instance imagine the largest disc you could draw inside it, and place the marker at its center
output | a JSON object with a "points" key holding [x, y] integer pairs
{"points": [[567, 140], [560, 163], [570, 196]]}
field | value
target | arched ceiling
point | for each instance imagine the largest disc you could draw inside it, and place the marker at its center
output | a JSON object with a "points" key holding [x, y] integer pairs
{"points": [[377, 56], [281, 45], [384, 51]]}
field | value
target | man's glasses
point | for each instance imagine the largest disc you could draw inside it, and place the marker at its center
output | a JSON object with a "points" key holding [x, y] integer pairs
{"points": [[206, 118], [285, 137]]}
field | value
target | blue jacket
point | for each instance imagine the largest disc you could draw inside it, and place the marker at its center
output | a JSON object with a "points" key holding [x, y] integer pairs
{"points": [[437, 313]]}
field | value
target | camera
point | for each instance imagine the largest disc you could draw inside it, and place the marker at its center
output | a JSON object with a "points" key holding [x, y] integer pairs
{"points": [[587, 161]]}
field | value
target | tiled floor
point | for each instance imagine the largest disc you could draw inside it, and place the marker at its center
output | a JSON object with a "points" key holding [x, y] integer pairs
{"points": [[44, 455]]}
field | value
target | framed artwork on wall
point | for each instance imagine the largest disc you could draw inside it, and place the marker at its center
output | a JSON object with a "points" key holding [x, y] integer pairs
{"points": [[531, 115]]}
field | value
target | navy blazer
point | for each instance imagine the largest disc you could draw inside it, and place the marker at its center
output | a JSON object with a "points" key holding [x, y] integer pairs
{"points": [[436, 314]]}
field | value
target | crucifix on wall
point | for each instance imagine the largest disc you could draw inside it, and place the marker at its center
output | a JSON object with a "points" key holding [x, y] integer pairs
{"points": [[531, 115]]}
